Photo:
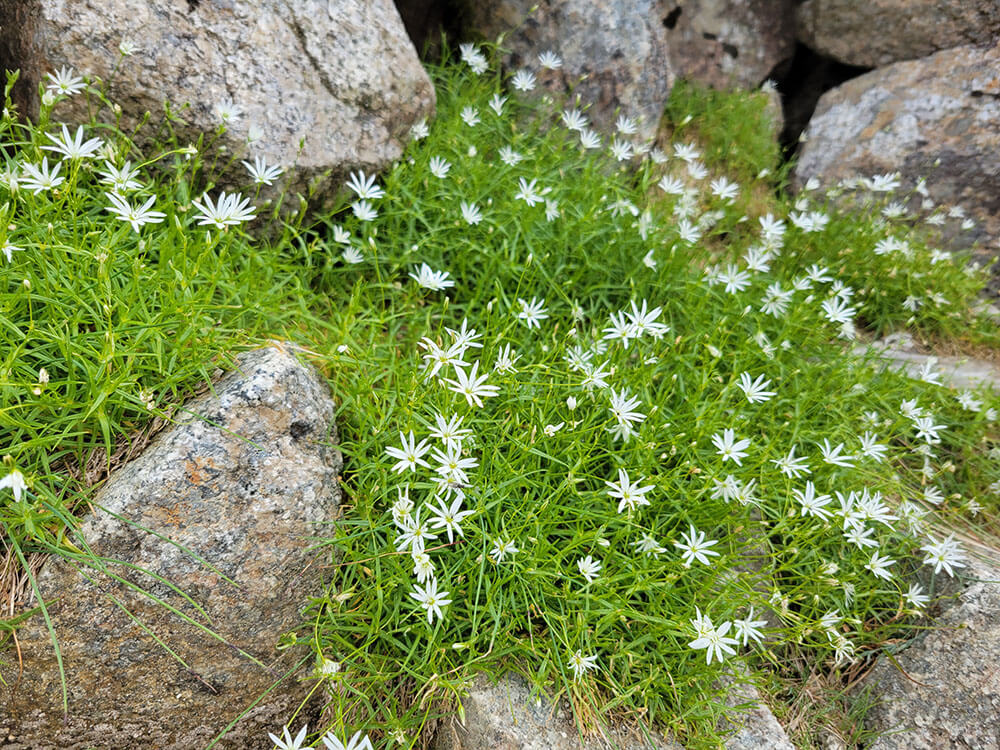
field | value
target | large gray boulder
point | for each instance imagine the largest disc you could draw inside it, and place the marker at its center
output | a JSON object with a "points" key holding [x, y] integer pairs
{"points": [[942, 692], [617, 47], [230, 496], [506, 715], [872, 33], [730, 43], [326, 85], [938, 117]]}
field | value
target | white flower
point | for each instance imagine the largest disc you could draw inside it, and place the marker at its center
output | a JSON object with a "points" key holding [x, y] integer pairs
{"points": [[419, 130], [496, 104], [589, 568], [724, 189], [506, 359], [450, 431], [643, 321], [76, 147], [357, 742], [414, 534], [502, 548], [696, 547], [621, 150], [428, 278], [686, 152], [137, 216], [623, 409], [509, 156], [352, 255], [837, 311], [65, 82], [470, 116], [364, 210], [630, 495], [8, 250], [439, 167], [916, 596], [227, 111], [121, 180], [945, 554], [228, 210], [754, 390], [813, 504], [879, 566], [832, 455], [729, 448], [532, 312], [581, 664], [574, 119], [286, 742], [528, 192], [364, 186], [431, 599], [472, 386], [713, 639], [471, 213], [550, 60], [449, 518], [872, 449], [734, 279], [590, 139], [474, 58], [15, 482], [523, 80], [649, 546], [410, 455], [552, 429], [261, 172], [749, 628], [927, 430], [37, 179]]}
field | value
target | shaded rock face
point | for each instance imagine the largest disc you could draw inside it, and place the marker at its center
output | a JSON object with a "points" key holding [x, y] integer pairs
{"points": [[341, 77], [724, 43], [949, 696], [618, 46], [507, 716], [938, 117], [243, 483], [872, 33]]}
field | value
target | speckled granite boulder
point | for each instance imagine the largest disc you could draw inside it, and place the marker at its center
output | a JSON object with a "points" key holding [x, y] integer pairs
{"points": [[508, 716], [754, 727], [872, 33], [945, 692], [326, 84], [938, 117], [725, 43], [618, 47], [242, 482]]}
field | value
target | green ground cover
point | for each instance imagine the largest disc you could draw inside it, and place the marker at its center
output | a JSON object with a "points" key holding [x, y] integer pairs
{"points": [[601, 419]]}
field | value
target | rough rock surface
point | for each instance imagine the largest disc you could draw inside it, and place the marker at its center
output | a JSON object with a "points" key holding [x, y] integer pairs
{"points": [[342, 75], [618, 47], [725, 43], [947, 696], [937, 117], [242, 483], [507, 716], [961, 372], [872, 33], [756, 727]]}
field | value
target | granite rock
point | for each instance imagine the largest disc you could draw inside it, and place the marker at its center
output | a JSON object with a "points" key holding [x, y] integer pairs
{"points": [[938, 117], [231, 495], [873, 33], [614, 52], [730, 43], [326, 85], [943, 692]]}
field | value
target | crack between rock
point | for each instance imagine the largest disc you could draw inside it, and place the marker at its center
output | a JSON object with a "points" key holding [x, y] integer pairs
{"points": [[300, 34]]}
